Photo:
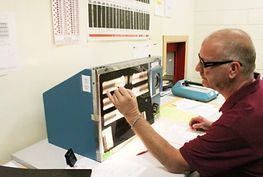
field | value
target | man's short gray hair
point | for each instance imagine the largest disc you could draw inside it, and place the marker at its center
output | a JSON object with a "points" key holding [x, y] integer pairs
{"points": [[237, 45]]}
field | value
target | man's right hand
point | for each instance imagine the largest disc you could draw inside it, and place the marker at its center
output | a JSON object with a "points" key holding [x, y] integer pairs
{"points": [[199, 123], [125, 101]]}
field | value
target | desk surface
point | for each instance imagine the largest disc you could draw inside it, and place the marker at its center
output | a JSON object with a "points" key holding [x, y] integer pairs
{"points": [[44, 155], [14, 164]]}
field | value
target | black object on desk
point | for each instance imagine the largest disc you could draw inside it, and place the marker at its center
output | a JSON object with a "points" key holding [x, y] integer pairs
{"points": [[23, 172], [71, 159]]}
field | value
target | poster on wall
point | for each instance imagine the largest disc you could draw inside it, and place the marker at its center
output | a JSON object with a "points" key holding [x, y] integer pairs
{"points": [[163, 8], [159, 7], [118, 19], [168, 8], [8, 48], [65, 14]]}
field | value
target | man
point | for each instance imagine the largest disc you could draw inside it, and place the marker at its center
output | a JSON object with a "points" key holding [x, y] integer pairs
{"points": [[232, 145]]}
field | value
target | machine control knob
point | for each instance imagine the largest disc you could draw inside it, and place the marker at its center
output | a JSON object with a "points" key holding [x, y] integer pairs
{"points": [[155, 108]]}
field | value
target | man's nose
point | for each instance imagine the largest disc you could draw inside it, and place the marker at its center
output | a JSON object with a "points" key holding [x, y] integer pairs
{"points": [[198, 67]]}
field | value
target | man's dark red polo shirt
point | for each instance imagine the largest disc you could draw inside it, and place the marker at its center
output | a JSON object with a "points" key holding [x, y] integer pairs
{"points": [[233, 145]]}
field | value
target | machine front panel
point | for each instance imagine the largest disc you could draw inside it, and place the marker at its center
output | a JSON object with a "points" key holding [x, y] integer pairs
{"points": [[115, 129]]}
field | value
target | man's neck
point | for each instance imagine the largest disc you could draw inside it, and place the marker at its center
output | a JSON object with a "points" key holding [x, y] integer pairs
{"points": [[237, 85]]}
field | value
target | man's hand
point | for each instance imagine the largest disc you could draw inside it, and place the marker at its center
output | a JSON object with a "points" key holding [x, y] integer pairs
{"points": [[199, 123], [125, 101]]}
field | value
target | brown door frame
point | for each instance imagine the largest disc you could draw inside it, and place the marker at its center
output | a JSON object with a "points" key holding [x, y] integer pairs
{"points": [[179, 45]]}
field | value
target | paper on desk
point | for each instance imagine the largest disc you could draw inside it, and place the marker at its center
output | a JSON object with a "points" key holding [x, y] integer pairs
{"points": [[85, 163], [120, 168], [178, 134], [183, 135], [153, 167], [136, 166], [198, 108], [177, 115]]}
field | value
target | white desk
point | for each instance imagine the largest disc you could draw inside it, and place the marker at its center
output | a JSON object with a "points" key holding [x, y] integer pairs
{"points": [[44, 155]]}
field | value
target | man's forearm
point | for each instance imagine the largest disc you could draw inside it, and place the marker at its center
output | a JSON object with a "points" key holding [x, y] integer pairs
{"points": [[170, 157]]}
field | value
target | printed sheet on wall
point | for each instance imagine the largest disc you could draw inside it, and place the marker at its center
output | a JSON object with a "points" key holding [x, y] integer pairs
{"points": [[8, 45], [118, 19], [65, 15]]}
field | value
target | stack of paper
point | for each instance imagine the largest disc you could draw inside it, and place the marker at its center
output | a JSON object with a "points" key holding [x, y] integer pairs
{"points": [[198, 108]]}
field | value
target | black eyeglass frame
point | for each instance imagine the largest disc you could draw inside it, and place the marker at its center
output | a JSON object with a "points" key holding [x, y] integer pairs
{"points": [[214, 63]]}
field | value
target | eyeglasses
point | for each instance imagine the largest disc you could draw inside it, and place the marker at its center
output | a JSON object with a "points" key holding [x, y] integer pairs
{"points": [[214, 63]]}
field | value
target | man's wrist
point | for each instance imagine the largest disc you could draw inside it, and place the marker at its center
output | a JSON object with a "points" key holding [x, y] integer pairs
{"points": [[135, 121]]}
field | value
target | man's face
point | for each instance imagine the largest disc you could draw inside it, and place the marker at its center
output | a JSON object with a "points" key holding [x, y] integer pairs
{"points": [[211, 68]]}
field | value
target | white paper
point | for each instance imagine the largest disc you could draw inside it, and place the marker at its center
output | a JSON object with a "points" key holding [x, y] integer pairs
{"points": [[118, 168], [182, 134], [65, 14], [86, 87], [177, 134], [186, 104], [206, 110], [84, 163], [8, 49], [168, 8], [159, 7], [153, 167], [107, 138], [164, 8]]}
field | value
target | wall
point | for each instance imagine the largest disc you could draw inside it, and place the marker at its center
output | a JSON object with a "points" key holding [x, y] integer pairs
{"points": [[44, 65], [214, 15]]}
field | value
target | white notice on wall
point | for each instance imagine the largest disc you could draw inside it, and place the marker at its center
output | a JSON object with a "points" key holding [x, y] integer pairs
{"points": [[159, 6], [8, 50], [168, 8]]}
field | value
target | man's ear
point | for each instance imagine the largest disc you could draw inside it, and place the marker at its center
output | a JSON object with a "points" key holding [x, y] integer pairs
{"points": [[234, 69]]}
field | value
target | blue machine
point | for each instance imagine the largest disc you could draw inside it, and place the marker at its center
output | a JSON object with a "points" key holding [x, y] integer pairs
{"points": [[79, 115], [194, 91]]}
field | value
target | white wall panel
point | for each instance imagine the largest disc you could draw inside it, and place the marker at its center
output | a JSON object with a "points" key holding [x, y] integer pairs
{"points": [[212, 15], [225, 17], [204, 5], [255, 16]]}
